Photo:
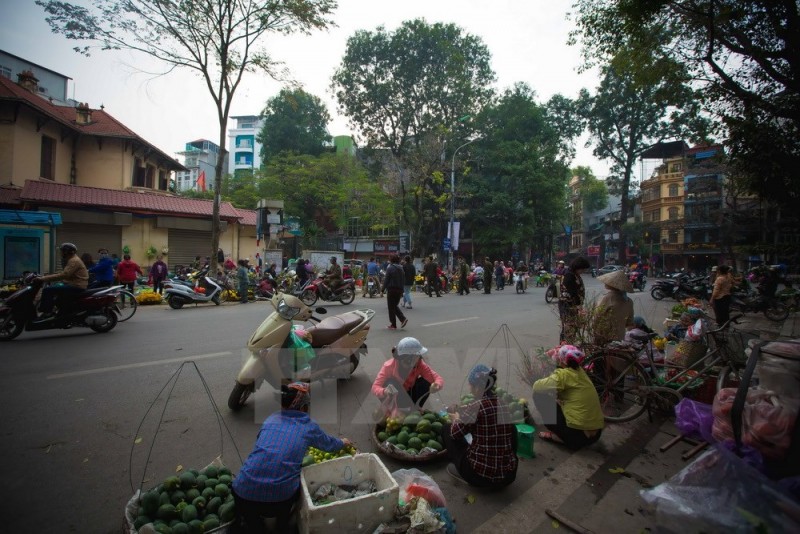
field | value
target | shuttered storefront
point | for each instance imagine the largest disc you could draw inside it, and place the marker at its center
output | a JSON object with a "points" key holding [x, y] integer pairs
{"points": [[91, 237], [184, 245]]}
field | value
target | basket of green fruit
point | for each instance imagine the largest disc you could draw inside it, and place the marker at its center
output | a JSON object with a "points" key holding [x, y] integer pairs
{"points": [[416, 437]]}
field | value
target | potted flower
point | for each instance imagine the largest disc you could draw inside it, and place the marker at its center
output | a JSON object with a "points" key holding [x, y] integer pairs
{"points": [[165, 250], [151, 252], [126, 249]]}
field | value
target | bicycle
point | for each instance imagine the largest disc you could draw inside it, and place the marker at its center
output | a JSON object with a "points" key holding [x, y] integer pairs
{"points": [[125, 307], [626, 388]]}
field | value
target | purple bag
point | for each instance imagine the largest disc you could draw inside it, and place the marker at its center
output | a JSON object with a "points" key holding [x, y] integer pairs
{"points": [[694, 419]]}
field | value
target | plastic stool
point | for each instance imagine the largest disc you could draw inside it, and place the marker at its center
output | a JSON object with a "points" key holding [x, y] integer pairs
{"points": [[525, 441]]}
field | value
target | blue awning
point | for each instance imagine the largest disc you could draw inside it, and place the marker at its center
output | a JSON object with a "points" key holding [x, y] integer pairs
{"points": [[30, 217]]}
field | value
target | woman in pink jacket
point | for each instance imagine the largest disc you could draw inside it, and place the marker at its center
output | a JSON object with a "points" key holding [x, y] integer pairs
{"points": [[406, 379]]}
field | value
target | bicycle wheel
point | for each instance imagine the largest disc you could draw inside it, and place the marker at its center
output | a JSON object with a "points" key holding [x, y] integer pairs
{"points": [[550, 294], [125, 305], [621, 385]]}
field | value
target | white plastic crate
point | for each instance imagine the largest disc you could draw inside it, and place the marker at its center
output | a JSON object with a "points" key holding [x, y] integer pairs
{"points": [[360, 514]]}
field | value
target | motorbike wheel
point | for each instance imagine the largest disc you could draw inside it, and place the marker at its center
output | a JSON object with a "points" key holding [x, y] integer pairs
{"points": [[176, 303], [550, 294], [239, 396], [215, 299], [309, 297], [9, 326], [776, 311], [657, 293], [519, 288], [111, 322], [479, 284], [347, 296]]}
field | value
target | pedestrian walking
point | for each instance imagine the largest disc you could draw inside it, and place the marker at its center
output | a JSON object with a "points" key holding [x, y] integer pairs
{"points": [[431, 271], [410, 275], [126, 272], [241, 275], [463, 272], [158, 273], [488, 269], [500, 275], [393, 284]]}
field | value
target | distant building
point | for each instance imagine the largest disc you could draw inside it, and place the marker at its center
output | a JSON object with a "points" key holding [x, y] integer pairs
{"points": [[200, 160], [244, 151], [49, 84]]}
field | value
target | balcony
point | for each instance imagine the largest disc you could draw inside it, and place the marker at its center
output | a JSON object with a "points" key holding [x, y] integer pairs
{"points": [[671, 248]]}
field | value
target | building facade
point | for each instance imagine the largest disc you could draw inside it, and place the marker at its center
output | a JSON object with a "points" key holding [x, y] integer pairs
{"points": [[244, 150], [200, 160]]}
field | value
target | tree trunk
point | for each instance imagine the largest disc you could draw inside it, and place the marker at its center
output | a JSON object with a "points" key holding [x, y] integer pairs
{"points": [[215, 221], [622, 258]]}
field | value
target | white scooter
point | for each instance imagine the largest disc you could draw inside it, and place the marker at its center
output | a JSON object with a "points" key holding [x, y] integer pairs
{"points": [[205, 290], [337, 345]]}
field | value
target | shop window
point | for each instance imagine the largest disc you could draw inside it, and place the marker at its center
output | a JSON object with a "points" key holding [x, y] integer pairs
{"points": [[48, 158]]}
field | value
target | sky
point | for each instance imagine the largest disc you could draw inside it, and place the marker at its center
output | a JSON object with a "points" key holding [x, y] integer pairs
{"points": [[527, 40]]}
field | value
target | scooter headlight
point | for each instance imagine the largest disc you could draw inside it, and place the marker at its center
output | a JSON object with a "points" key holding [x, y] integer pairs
{"points": [[286, 311]]}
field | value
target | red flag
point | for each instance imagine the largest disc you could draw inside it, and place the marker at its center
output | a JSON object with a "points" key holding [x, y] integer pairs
{"points": [[201, 181]]}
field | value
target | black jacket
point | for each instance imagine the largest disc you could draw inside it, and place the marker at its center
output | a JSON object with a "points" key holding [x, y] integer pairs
{"points": [[394, 277], [410, 273]]}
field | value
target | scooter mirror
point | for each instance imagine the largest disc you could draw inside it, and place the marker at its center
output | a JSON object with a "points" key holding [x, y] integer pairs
{"points": [[320, 310]]}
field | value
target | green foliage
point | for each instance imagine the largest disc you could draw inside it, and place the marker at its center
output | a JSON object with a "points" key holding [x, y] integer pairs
{"points": [[294, 121], [740, 54], [593, 192], [517, 194]]}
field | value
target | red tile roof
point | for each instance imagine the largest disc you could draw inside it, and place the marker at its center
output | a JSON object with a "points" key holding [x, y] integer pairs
{"points": [[102, 125], [55, 194], [10, 195]]}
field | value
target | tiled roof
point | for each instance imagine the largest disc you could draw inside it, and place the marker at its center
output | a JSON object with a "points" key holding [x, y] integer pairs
{"points": [[10, 195], [55, 194], [103, 124], [247, 217]]}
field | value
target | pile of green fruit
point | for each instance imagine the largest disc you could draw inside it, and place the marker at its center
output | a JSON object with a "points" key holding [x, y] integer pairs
{"points": [[315, 456], [517, 408], [414, 432], [192, 503]]}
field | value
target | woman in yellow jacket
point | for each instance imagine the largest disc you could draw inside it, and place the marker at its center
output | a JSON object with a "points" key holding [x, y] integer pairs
{"points": [[568, 402]]}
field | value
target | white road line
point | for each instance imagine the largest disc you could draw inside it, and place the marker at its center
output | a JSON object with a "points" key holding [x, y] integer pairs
{"points": [[137, 365], [453, 321]]}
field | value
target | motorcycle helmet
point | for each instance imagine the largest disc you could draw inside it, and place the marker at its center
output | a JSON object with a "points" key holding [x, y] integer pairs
{"points": [[410, 346], [68, 247]]}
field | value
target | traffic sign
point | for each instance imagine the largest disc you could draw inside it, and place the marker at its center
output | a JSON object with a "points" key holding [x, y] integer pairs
{"points": [[446, 243]]}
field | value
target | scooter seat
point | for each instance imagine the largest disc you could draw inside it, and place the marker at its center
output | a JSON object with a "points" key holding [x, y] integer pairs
{"points": [[332, 328]]}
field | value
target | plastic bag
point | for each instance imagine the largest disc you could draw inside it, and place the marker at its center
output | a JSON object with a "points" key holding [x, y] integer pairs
{"points": [[767, 422], [694, 419], [415, 483], [719, 492], [695, 332], [299, 339]]}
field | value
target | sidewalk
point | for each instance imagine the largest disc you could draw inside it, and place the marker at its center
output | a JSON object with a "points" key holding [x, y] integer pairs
{"points": [[771, 330]]}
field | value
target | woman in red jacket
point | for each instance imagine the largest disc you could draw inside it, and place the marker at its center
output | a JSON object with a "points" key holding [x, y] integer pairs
{"points": [[126, 272], [406, 380]]}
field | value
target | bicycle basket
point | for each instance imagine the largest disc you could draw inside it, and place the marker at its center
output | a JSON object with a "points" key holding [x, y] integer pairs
{"points": [[731, 344]]}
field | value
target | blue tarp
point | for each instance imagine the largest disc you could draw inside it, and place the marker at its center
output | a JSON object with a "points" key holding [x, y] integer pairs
{"points": [[30, 217]]}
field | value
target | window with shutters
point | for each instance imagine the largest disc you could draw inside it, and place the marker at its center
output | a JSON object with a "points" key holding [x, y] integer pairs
{"points": [[48, 158], [673, 190], [138, 173]]}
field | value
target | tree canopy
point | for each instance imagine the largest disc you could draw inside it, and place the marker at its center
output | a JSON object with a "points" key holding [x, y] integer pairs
{"points": [[593, 192], [217, 39], [294, 121], [743, 55]]}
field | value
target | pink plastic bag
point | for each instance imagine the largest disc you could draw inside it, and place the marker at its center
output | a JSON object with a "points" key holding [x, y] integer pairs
{"points": [[415, 483]]}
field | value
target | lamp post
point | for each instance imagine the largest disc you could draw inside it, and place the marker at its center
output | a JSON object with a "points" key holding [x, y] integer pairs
{"points": [[453, 200]]}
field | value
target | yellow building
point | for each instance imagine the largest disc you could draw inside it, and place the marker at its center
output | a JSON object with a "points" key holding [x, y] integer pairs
{"points": [[109, 187], [662, 208]]}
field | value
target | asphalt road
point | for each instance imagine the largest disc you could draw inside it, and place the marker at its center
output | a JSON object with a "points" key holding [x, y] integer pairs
{"points": [[73, 400]]}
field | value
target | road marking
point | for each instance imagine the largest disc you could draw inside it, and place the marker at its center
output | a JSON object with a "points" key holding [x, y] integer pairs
{"points": [[453, 321], [137, 365]]}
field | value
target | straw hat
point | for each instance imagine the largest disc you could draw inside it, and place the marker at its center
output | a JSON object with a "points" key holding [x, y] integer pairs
{"points": [[617, 280]]}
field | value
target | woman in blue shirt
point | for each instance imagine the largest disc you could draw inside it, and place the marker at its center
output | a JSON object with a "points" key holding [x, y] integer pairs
{"points": [[268, 484]]}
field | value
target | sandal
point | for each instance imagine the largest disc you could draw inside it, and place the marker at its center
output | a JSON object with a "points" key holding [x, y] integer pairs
{"points": [[549, 436]]}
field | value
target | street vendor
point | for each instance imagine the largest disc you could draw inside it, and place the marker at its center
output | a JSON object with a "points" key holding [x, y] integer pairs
{"points": [[268, 484], [406, 379], [490, 459], [568, 402]]}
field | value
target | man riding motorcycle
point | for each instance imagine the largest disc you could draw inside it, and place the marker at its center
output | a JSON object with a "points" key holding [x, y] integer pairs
{"points": [[75, 278], [333, 277]]}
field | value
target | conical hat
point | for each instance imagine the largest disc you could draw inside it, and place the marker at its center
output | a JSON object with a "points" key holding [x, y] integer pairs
{"points": [[617, 280]]}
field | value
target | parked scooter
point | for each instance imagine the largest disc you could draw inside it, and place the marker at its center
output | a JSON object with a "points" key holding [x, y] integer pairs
{"points": [[753, 302], [94, 308], [338, 343], [663, 288], [345, 292], [475, 281], [206, 290]]}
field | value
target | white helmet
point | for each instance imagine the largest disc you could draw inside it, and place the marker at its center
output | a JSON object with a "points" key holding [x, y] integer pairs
{"points": [[410, 346]]}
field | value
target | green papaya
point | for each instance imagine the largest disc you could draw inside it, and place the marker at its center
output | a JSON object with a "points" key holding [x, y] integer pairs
{"points": [[192, 494], [401, 446], [212, 482], [208, 493], [141, 521], [163, 529], [210, 524], [200, 481], [177, 497], [225, 479], [415, 443], [403, 437], [180, 528], [222, 490], [180, 506], [189, 513], [166, 512], [225, 471], [199, 502], [172, 483], [163, 498], [195, 527], [211, 471], [188, 481], [436, 426], [226, 512], [423, 426], [411, 420], [150, 502], [430, 416], [424, 437], [392, 440], [412, 451], [213, 505], [433, 444], [211, 516]]}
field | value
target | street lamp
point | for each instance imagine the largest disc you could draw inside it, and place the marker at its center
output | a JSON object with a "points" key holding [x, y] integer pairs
{"points": [[453, 200]]}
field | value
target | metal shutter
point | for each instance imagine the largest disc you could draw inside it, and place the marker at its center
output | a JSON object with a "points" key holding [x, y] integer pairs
{"points": [[91, 237], [184, 245]]}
